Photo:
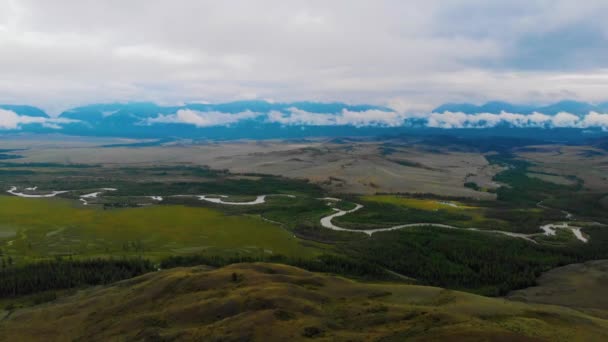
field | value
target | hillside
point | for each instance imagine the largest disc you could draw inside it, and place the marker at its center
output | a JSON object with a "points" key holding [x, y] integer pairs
{"points": [[269, 302], [574, 285]]}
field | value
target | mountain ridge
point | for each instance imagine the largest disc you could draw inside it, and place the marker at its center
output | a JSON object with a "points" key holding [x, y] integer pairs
{"points": [[270, 302], [258, 119], [496, 107]]}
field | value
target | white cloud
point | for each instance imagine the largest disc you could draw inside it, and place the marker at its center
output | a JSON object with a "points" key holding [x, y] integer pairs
{"points": [[300, 117], [147, 52], [109, 113], [294, 116], [345, 117], [594, 119], [563, 119], [10, 120], [62, 53], [202, 119], [488, 120]]}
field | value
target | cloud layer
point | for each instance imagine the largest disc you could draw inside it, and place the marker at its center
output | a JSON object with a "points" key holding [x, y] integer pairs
{"points": [[10, 120], [202, 119], [536, 120], [410, 55], [378, 118], [292, 117], [297, 116]]}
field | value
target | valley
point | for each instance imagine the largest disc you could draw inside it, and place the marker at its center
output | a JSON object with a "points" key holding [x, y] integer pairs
{"points": [[350, 171], [489, 225]]}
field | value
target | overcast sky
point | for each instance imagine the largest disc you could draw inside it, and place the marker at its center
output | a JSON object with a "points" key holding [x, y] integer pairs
{"points": [[410, 55]]}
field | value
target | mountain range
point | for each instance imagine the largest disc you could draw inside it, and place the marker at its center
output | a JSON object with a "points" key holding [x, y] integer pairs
{"points": [[264, 120], [496, 107]]}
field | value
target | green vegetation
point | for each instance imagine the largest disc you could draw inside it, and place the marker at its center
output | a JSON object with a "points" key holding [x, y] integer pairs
{"points": [[4, 156], [380, 215], [7, 155], [327, 263], [47, 165], [185, 230], [574, 285], [260, 302], [523, 189], [589, 205], [41, 228], [483, 263], [410, 163], [64, 274], [472, 185]]}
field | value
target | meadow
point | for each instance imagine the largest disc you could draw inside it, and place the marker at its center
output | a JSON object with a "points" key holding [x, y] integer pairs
{"points": [[251, 300], [182, 230], [41, 228]]}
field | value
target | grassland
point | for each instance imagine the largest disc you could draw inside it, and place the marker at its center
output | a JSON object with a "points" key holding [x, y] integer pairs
{"points": [[127, 223], [577, 285], [44, 228], [561, 180], [584, 162], [387, 210], [419, 203], [458, 213], [356, 167], [267, 302]]}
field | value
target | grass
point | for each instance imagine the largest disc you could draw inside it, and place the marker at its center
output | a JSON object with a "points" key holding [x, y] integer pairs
{"points": [[60, 227], [417, 203], [262, 302], [575, 285], [483, 215], [31, 229], [387, 210]]}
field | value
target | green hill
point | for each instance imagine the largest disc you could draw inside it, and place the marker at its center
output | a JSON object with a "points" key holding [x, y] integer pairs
{"points": [[269, 302]]}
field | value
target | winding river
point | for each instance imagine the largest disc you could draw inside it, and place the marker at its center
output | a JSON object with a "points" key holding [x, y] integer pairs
{"points": [[13, 191], [326, 221], [219, 199]]}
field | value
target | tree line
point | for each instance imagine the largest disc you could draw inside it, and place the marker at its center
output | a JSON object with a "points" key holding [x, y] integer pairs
{"points": [[65, 274]]}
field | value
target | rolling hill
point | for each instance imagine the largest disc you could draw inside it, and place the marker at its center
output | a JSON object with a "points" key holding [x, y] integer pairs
{"points": [[269, 302]]}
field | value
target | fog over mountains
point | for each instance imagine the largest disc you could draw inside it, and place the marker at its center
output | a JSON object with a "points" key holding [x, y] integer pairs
{"points": [[261, 119]]}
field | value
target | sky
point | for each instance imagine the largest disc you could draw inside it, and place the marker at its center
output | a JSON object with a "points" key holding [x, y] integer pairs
{"points": [[408, 55]]}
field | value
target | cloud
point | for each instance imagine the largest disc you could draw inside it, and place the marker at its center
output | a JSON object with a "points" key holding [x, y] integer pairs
{"points": [[297, 116], [594, 119], [144, 52], [202, 119], [10, 120], [563, 119], [535, 120], [293, 116], [416, 54]]}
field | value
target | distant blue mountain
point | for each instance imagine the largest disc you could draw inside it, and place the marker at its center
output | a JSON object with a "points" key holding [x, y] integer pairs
{"points": [[129, 119], [25, 110], [572, 107], [140, 110], [495, 107], [134, 120], [467, 108]]}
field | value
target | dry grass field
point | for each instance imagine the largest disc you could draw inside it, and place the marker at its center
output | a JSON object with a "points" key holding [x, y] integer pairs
{"points": [[584, 162], [357, 167], [269, 302], [581, 286]]}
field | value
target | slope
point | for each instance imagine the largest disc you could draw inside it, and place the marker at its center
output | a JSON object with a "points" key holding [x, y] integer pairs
{"points": [[268, 302]]}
